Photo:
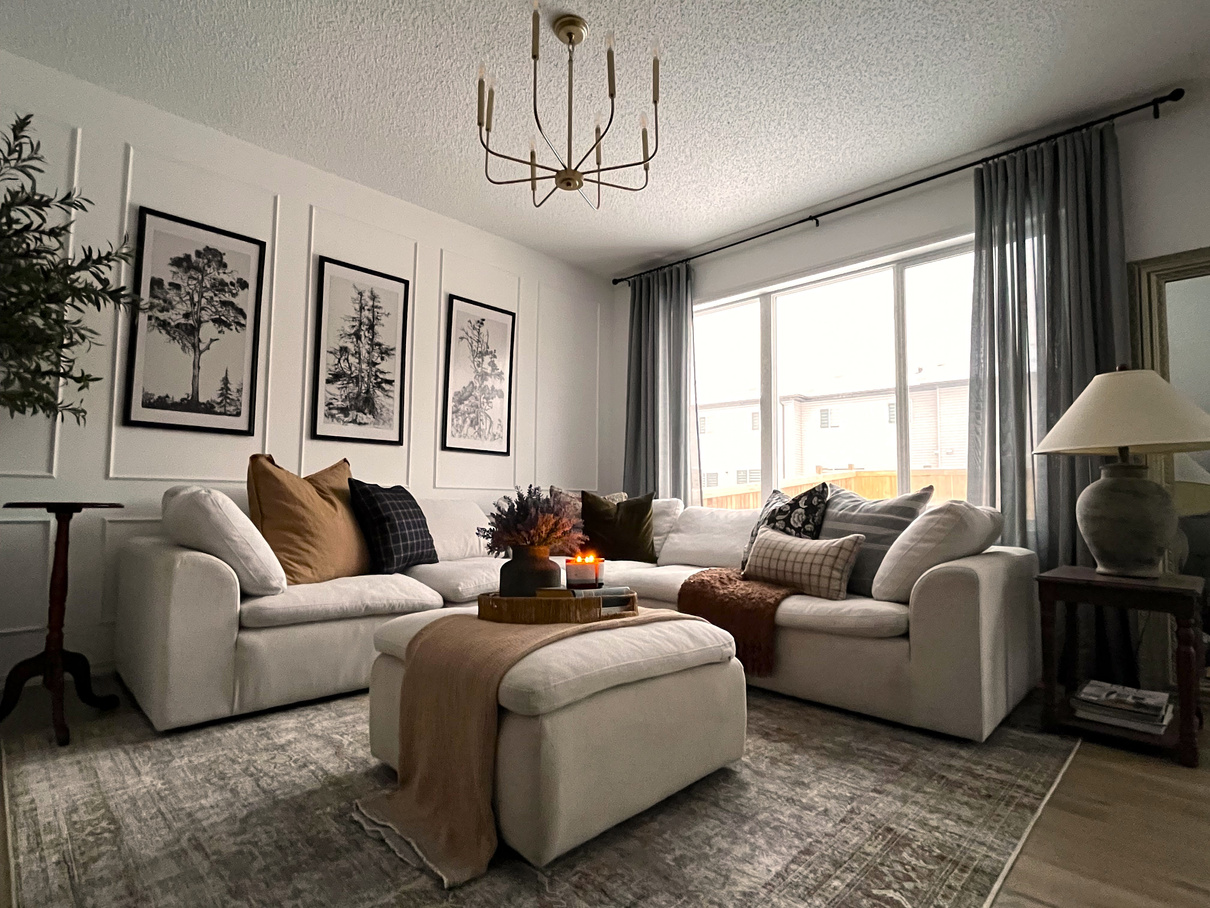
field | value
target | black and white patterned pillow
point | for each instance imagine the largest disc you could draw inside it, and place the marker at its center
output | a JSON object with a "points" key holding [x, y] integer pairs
{"points": [[394, 526], [799, 516]]}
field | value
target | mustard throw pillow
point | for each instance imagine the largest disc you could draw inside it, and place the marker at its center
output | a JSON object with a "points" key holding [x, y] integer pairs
{"points": [[307, 521]]}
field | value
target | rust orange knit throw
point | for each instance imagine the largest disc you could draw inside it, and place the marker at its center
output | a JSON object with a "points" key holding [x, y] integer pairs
{"points": [[448, 712], [743, 608]]}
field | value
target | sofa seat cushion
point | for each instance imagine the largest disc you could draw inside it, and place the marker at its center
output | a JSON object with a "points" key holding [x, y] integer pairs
{"points": [[344, 597], [462, 580], [660, 583], [575, 668], [709, 537], [856, 616]]}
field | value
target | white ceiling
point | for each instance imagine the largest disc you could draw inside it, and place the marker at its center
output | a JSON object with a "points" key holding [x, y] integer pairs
{"points": [[768, 107]]}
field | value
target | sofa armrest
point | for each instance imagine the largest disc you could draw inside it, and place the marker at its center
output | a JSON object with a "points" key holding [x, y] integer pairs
{"points": [[177, 620], [974, 636]]}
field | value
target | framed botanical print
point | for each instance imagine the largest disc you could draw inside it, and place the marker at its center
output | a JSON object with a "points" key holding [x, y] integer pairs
{"points": [[478, 378], [194, 341], [360, 345]]}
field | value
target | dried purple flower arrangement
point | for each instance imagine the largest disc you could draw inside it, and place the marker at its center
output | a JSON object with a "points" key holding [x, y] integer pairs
{"points": [[532, 517]]}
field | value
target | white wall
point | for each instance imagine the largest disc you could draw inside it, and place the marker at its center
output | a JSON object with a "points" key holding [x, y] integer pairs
{"points": [[125, 154]]}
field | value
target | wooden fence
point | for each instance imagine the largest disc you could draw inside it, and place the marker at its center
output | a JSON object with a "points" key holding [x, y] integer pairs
{"points": [[947, 485]]}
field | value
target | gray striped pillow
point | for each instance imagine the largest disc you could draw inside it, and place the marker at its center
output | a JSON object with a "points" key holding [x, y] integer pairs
{"points": [[880, 522]]}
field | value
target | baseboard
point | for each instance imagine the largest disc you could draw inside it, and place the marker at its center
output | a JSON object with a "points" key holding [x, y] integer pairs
{"points": [[1012, 858]]}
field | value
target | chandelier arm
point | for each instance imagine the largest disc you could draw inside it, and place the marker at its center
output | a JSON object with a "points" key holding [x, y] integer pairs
{"points": [[640, 162], [597, 143], [589, 201], [538, 204], [508, 157], [600, 183], [538, 122]]}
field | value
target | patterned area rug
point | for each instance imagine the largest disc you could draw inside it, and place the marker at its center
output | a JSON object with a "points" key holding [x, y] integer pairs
{"points": [[826, 809]]}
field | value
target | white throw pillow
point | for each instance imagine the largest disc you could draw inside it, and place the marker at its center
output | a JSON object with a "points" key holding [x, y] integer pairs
{"points": [[708, 537], [949, 531], [209, 521], [452, 524], [817, 567], [664, 512]]}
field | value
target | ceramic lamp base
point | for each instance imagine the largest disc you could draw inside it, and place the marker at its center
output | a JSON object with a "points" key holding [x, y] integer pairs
{"points": [[1127, 520]]}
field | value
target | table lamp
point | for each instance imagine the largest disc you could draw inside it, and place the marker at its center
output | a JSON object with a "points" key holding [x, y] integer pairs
{"points": [[1127, 519]]}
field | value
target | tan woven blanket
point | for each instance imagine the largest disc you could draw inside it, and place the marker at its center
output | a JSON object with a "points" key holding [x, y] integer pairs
{"points": [[743, 608], [448, 712]]}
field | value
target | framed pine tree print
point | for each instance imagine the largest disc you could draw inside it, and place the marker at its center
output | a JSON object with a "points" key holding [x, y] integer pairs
{"points": [[360, 345], [478, 378], [194, 342]]}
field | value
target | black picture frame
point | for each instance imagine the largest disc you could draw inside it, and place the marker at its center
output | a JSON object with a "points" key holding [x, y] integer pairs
{"points": [[458, 440], [189, 414], [327, 269]]}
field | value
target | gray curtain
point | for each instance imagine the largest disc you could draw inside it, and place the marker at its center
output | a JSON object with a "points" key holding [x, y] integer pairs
{"points": [[1050, 312], [661, 412]]}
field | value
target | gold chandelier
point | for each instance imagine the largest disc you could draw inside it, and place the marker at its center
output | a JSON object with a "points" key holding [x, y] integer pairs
{"points": [[569, 175]]}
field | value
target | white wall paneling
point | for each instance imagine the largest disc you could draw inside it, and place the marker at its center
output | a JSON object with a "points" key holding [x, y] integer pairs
{"points": [[127, 154], [217, 200], [29, 445], [379, 249], [483, 283]]}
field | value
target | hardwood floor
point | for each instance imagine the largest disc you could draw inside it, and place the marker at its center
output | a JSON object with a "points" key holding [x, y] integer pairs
{"points": [[1123, 829]]}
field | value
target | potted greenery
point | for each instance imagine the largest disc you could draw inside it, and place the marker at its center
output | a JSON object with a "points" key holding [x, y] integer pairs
{"points": [[528, 525], [45, 294]]}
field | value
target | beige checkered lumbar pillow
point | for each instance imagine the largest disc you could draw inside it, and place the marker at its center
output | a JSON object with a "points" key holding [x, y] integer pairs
{"points": [[818, 567]]}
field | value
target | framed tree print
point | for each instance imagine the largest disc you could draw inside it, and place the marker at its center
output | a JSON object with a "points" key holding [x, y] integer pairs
{"points": [[195, 339], [360, 344], [478, 378]]}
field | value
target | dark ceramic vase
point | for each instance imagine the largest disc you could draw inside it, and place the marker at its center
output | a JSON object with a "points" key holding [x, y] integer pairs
{"points": [[529, 569]]}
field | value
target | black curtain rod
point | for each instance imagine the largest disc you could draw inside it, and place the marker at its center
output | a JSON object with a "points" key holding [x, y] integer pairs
{"points": [[1154, 104]]}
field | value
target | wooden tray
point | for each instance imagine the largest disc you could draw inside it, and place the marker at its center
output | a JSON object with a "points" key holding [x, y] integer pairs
{"points": [[548, 610]]}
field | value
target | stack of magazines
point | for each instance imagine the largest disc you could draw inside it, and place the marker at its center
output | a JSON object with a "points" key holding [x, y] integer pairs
{"points": [[1147, 711], [613, 599]]}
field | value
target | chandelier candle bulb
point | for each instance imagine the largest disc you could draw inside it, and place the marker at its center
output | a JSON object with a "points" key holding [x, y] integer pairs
{"points": [[533, 168], [598, 143], [491, 102], [584, 572], [534, 49], [642, 126], [655, 78], [480, 96], [613, 89]]}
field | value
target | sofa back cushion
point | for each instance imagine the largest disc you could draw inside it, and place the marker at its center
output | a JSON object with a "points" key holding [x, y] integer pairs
{"points": [[949, 531], [307, 521], [708, 537], [209, 521], [619, 531], [817, 567], [452, 524], [880, 522], [664, 512]]}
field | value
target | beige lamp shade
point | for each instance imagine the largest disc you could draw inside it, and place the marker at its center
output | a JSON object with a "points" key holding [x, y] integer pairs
{"points": [[1135, 409]]}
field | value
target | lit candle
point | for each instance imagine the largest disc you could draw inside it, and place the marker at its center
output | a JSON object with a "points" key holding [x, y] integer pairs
{"points": [[584, 572], [655, 74], [491, 101], [482, 73], [609, 63], [534, 50], [642, 125]]}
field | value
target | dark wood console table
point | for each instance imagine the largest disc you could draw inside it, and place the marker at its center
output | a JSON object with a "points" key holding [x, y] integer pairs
{"points": [[54, 660], [1174, 594]]}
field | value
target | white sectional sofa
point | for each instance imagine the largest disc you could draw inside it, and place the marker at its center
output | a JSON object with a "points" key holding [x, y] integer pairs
{"points": [[955, 659]]}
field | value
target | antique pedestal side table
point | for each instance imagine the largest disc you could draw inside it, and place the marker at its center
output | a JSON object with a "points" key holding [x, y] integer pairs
{"points": [[53, 661], [1177, 595]]}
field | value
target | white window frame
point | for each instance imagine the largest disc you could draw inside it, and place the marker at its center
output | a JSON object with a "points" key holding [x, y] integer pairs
{"points": [[770, 415]]}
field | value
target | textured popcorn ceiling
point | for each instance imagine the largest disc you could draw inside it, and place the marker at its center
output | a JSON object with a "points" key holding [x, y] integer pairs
{"points": [[768, 107]]}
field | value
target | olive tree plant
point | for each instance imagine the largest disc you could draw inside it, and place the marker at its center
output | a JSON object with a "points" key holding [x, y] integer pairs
{"points": [[45, 294]]}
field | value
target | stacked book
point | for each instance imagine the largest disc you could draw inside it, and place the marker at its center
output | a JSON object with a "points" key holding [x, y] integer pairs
{"points": [[613, 598], [1147, 711]]}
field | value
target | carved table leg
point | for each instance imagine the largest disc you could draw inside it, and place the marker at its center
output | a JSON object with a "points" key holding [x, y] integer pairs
{"points": [[16, 680], [76, 664]]}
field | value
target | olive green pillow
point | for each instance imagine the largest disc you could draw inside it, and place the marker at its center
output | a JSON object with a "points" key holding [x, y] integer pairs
{"points": [[620, 531]]}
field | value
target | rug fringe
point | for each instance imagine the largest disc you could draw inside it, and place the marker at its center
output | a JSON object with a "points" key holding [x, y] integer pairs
{"points": [[1012, 858]]}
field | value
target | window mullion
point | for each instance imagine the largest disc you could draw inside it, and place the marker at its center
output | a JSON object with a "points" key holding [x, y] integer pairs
{"points": [[903, 447], [770, 417]]}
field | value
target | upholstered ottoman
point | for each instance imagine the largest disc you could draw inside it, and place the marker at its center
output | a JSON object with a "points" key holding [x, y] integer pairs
{"points": [[593, 728]]}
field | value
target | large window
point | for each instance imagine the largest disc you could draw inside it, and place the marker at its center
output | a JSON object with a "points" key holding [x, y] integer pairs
{"points": [[866, 375], [726, 343]]}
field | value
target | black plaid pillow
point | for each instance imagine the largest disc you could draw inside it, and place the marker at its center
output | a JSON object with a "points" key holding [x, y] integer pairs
{"points": [[394, 527]]}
